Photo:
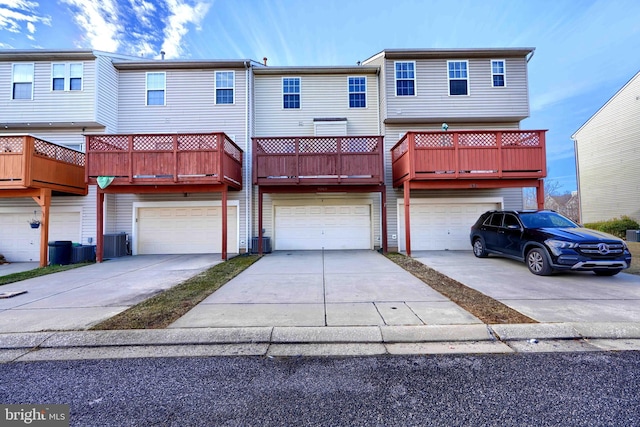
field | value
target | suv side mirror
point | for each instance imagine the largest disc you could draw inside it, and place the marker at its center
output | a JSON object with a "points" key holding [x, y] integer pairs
{"points": [[513, 227]]}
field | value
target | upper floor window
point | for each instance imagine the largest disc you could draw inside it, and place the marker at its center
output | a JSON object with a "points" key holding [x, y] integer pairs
{"points": [[405, 78], [66, 76], [291, 92], [22, 81], [224, 87], [498, 73], [458, 77], [156, 85], [357, 92]]}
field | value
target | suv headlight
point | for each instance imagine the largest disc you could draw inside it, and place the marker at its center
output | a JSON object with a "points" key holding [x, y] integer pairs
{"points": [[557, 245]]}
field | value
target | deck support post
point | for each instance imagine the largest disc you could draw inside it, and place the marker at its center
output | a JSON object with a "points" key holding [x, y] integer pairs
{"points": [[383, 207], [224, 223], [99, 224], [44, 201], [407, 219], [540, 194], [260, 221]]}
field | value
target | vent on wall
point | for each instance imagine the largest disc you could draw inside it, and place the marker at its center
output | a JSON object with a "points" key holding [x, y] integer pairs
{"points": [[114, 245]]}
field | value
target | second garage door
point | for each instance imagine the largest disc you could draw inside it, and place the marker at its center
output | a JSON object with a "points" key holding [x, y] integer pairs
{"points": [[185, 230], [441, 226], [323, 227]]}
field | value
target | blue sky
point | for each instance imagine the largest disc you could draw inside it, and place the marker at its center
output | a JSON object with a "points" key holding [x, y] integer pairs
{"points": [[585, 50]]}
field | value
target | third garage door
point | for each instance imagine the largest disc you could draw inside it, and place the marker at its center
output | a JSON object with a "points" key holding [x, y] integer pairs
{"points": [[442, 226], [323, 227]]}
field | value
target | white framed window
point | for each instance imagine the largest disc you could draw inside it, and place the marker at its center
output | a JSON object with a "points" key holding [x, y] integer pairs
{"points": [[405, 75], [498, 73], [156, 87], [67, 76], [458, 75], [22, 81], [290, 92], [357, 92], [225, 84]]}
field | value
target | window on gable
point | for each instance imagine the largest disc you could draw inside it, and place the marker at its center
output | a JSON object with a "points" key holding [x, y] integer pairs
{"points": [[156, 88], [498, 73], [65, 77], [224, 87], [458, 77], [22, 82], [405, 78], [291, 92], [357, 92]]}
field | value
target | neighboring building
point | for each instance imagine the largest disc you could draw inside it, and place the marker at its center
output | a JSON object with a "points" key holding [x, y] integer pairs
{"points": [[607, 149], [449, 178], [308, 157], [564, 204]]}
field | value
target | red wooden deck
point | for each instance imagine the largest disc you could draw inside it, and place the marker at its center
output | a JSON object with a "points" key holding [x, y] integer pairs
{"points": [[165, 159], [469, 155], [327, 160], [28, 163]]}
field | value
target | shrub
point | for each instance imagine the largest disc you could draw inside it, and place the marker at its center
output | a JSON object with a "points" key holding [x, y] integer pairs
{"points": [[616, 226]]}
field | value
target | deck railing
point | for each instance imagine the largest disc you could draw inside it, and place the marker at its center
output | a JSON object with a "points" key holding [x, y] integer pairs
{"points": [[30, 162], [326, 160], [469, 155], [165, 159]]}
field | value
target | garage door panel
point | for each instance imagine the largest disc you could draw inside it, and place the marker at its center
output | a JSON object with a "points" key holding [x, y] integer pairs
{"points": [[317, 227], [184, 230], [442, 226], [21, 243]]}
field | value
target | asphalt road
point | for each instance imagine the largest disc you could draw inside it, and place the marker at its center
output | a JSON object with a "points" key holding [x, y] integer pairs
{"points": [[559, 389]]}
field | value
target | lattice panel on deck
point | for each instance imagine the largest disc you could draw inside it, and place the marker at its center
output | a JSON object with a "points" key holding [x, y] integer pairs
{"points": [[108, 143], [197, 142], [232, 150], [429, 140], [58, 152], [477, 140], [318, 145], [527, 139], [153, 143], [277, 146], [359, 145], [11, 144]]}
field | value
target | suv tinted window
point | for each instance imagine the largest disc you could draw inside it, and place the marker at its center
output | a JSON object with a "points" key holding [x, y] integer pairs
{"points": [[510, 219], [495, 220], [545, 220]]}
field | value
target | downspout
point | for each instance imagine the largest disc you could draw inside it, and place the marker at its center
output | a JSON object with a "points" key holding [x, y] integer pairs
{"points": [[248, 156], [575, 156]]}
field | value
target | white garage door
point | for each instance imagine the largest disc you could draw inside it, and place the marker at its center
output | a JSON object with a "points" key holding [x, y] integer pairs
{"points": [[185, 230], [327, 226], [21, 243], [444, 226]]}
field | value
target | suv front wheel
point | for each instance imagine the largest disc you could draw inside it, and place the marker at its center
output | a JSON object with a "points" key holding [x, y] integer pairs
{"points": [[478, 248], [538, 262]]}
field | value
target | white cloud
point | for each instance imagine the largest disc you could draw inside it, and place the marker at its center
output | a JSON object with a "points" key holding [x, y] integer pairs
{"points": [[181, 14], [99, 20], [144, 10], [16, 13]]}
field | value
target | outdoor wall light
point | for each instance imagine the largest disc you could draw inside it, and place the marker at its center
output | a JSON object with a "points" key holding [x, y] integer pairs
{"points": [[445, 127]]}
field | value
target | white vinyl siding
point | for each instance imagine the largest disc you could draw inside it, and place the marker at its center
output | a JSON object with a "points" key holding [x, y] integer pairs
{"points": [[49, 106], [325, 96], [22, 81], [607, 152], [432, 101], [156, 89], [106, 106]]}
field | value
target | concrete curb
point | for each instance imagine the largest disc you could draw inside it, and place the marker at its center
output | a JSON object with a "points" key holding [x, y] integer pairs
{"points": [[319, 341]]}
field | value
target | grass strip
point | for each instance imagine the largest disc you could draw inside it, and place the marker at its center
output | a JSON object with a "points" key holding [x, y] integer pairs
{"points": [[37, 272], [161, 310], [485, 308]]}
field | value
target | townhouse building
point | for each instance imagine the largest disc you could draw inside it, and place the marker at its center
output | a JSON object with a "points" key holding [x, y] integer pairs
{"points": [[232, 156]]}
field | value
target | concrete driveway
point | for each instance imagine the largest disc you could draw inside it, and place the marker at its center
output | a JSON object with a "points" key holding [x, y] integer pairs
{"points": [[330, 288], [82, 297], [565, 297]]}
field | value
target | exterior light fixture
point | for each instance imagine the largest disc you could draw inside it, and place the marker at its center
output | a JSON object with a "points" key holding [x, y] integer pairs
{"points": [[445, 127]]}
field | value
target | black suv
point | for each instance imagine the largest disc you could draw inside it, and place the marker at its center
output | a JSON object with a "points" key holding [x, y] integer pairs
{"points": [[547, 241]]}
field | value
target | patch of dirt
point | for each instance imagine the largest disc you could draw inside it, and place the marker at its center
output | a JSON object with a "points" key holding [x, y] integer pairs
{"points": [[480, 305]]}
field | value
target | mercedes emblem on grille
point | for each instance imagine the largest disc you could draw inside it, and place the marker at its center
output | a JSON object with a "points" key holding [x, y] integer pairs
{"points": [[603, 248]]}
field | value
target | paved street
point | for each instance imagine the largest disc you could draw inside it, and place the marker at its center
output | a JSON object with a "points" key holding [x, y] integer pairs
{"points": [[568, 389]]}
